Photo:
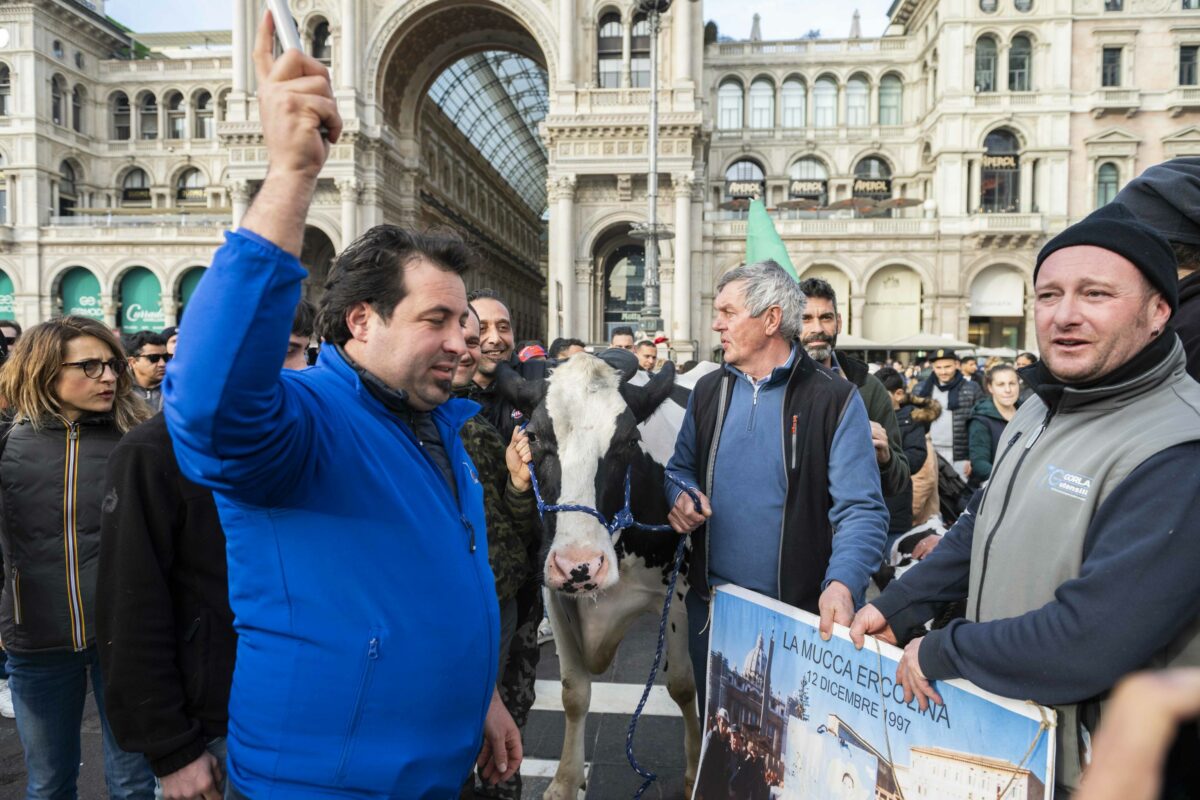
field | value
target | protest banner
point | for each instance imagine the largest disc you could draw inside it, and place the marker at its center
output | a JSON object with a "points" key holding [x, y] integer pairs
{"points": [[790, 716]]}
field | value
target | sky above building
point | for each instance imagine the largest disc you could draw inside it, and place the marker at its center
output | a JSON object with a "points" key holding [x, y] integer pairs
{"points": [[781, 19]]}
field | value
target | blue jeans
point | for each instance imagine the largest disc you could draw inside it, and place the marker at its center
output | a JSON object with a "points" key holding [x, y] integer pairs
{"points": [[48, 692]]}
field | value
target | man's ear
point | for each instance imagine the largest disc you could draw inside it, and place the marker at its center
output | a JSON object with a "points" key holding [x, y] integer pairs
{"points": [[358, 320], [772, 319]]}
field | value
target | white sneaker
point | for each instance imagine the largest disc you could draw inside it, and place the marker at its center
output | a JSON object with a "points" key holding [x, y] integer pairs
{"points": [[6, 706], [545, 632]]}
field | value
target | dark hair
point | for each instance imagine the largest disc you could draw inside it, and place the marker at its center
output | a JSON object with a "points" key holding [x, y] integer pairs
{"points": [[167, 333], [646, 343], [1030, 357], [12, 323], [134, 342], [528, 343], [819, 287], [622, 330], [890, 379], [556, 347], [304, 322], [488, 294], [371, 270], [688, 365], [1187, 256]]}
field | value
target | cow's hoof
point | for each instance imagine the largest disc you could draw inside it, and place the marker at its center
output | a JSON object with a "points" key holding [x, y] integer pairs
{"points": [[564, 790]]}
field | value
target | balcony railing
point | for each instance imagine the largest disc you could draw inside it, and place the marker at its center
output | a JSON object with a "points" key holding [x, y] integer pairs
{"points": [[801, 47], [117, 220], [1115, 99], [1183, 99]]}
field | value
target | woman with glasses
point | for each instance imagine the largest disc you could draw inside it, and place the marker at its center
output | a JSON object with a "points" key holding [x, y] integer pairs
{"points": [[67, 386]]}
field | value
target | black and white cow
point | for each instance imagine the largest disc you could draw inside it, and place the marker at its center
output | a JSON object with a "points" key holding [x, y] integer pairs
{"points": [[584, 436]]}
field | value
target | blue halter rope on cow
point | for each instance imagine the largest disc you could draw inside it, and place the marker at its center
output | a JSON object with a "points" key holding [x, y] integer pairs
{"points": [[621, 520]]}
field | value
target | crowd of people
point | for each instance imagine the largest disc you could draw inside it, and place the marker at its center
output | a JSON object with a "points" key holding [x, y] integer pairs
{"points": [[295, 550]]}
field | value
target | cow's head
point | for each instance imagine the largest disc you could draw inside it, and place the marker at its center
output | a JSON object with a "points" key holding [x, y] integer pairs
{"points": [[583, 433]]}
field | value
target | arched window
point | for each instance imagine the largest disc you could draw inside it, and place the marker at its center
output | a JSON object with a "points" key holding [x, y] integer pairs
{"points": [[745, 179], [795, 98], [809, 180], [891, 97], [762, 104], [120, 116], [135, 188], [68, 192], [825, 99], [639, 54], [222, 104], [1020, 64], [58, 111], [77, 100], [729, 106], [189, 188], [5, 90], [873, 181], [205, 129], [858, 101], [985, 64], [988, 6], [608, 52], [148, 113], [176, 116], [56, 48], [999, 190], [322, 43], [1106, 183]]}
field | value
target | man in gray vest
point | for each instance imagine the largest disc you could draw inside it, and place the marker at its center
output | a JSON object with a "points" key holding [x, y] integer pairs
{"points": [[1078, 560]]}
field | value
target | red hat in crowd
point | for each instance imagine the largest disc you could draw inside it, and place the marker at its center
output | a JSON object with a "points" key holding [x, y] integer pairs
{"points": [[531, 351]]}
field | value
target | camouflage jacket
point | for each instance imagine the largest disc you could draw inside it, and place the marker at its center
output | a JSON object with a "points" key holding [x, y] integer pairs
{"points": [[512, 525]]}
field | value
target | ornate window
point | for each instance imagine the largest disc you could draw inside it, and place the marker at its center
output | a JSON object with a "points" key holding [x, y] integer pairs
{"points": [[58, 111], [148, 117], [745, 179], [135, 188], [639, 54], [56, 48], [1020, 64], [858, 103], [999, 190], [608, 52], [120, 116], [985, 64], [825, 98], [5, 90], [77, 99], [205, 128], [322, 43], [1187, 64], [729, 106], [1023, 5], [67, 190], [809, 179], [988, 6], [762, 104], [1110, 67], [891, 98], [176, 117], [795, 98], [189, 188], [1106, 183]]}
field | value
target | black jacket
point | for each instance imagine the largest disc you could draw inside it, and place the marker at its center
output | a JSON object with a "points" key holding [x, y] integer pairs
{"points": [[167, 644], [1187, 321], [818, 398], [51, 487], [497, 410], [964, 394]]}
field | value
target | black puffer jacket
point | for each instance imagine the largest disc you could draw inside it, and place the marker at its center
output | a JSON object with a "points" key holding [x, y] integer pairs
{"points": [[51, 490], [964, 394]]}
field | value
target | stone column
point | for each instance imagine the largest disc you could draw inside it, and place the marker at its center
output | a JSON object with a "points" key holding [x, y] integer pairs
{"points": [[975, 186], [109, 304], [349, 189], [1026, 185], [348, 57], [682, 42], [858, 313], [584, 323], [239, 195], [562, 249], [566, 41], [241, 49], [169, 310], [626, 52], [679, 327]]}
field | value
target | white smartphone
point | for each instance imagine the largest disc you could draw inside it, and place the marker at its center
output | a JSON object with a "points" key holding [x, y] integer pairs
{"points": [[285, 24]]}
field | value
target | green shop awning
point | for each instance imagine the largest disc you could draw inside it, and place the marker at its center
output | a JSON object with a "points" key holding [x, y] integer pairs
{"points": [[8, 305], [187, 287], [141, 302], [80, 292]]}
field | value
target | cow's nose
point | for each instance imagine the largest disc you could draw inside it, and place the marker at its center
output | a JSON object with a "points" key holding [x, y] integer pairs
{"points": [[576, 571]]}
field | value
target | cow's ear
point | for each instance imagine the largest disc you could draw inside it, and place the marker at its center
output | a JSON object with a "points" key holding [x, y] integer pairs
{"points": [[524, 395], [645, 400]]}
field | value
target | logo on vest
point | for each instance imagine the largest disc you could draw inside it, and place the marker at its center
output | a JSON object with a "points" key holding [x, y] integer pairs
{"points": [[1068, 483]]}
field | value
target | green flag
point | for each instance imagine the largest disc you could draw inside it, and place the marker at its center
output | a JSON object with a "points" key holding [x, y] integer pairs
{"points": [[762, 240]]}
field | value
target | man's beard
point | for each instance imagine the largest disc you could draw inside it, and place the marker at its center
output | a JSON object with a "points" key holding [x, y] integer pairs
{"points": [[819, 346]]}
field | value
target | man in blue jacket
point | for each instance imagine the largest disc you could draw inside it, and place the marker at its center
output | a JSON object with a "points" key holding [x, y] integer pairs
{"points": [[782, 449], [358, 563]]}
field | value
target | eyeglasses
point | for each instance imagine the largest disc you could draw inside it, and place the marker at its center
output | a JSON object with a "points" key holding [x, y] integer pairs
{"points": [[94, 367], [154, 358]]}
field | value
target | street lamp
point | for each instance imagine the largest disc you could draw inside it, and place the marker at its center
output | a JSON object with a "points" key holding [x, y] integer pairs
{"points": [[652, 232]]}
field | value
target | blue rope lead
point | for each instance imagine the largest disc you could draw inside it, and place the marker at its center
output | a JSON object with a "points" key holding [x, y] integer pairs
{"points": [[662, 636]]}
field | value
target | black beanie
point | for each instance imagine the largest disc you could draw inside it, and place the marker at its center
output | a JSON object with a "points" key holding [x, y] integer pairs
{"points": [[1114, 228], [1167, 198]]}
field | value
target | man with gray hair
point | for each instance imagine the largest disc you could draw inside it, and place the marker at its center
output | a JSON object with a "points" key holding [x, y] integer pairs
{"points": [[780, 450]]}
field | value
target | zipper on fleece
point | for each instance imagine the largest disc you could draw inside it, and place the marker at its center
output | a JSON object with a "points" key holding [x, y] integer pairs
{"points": [[71, 539]]}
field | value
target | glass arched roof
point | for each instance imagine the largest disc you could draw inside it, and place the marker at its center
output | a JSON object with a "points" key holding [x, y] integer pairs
{"points": [[497, 100]]}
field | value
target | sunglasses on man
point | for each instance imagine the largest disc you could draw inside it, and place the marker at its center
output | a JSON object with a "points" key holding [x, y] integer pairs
{"points": [[94, 367], [154, 358]]}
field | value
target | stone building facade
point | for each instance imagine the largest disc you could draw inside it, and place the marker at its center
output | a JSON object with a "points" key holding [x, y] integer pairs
{"points": [[981, 126]]}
